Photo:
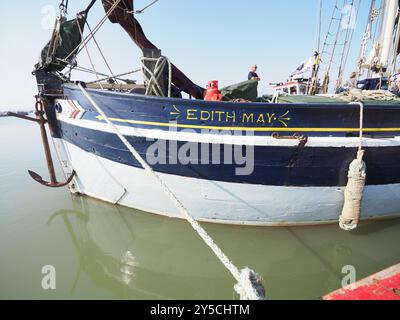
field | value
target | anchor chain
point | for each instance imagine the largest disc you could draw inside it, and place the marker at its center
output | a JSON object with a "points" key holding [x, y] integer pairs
{"points": [[63, 8], [40, 119]]}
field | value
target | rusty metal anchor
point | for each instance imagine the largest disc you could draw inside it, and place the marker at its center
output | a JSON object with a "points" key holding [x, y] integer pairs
{"points": [[40, 119]]}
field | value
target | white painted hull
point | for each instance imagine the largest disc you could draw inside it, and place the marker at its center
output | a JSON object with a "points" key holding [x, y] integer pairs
{"points": [[217, 202]]}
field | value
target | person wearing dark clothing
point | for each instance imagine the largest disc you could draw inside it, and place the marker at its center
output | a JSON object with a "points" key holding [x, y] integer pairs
{"points": [[253, 74]]}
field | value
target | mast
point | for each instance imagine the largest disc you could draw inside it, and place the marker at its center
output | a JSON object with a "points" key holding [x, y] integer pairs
{"points": [[312, 89], [317, 41], [387, 33], [392, 66], [380, 58]]}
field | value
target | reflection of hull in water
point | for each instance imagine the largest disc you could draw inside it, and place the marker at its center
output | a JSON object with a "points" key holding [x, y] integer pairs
{"points": [[170, 261], [291, 184], [119, 250]]}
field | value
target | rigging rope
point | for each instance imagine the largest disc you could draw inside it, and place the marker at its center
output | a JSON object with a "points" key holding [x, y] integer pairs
{"points": [[101, 52], [346, 47], [88, 54], [249, 285], [366, 37], [143, 9], [352, 35], [327, 78], [118, 76], [314, 86]]}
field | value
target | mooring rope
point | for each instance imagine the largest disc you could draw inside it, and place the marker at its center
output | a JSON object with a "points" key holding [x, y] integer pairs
{"points": [[249, 284], [357, 176]]}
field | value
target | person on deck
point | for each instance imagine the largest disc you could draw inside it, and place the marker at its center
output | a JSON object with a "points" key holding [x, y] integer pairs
{"points": [[350, 84], [253, 74], [395, 83]]}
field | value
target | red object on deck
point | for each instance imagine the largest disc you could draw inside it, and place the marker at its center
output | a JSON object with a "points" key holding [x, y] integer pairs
{"points": [[381, 286], [212, 93]]}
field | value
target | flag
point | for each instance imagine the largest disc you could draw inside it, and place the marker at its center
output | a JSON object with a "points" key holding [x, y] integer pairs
{"points": [[304, 71]]}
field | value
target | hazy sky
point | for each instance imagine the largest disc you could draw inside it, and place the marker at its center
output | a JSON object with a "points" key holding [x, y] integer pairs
{"points": [[207, 39]]}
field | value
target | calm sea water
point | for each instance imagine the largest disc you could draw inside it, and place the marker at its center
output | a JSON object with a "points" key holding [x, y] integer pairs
{"points": [[101, 251]]}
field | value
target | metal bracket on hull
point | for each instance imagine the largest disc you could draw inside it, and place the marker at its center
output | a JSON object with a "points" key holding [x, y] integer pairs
{"points": [[301, 138], [39, 112]]}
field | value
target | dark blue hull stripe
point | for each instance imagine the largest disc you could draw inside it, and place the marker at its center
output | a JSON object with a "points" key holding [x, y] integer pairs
{"points": [[339, 120], [274, 166]]}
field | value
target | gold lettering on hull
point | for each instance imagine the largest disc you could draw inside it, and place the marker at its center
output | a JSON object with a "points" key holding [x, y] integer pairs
{"points": [[233, 117]]}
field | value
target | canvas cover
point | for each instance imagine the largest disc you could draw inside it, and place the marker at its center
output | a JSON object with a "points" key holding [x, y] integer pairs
{"points": [[65, 42], [244, 90]]}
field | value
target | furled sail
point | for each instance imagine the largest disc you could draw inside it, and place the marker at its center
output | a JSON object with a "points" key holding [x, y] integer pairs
{"points": [[56, 55], [61, 49], [385, 47], [122, 15]]}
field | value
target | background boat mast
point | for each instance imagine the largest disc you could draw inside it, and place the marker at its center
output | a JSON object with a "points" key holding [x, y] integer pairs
{"points": [[352, 19], [326, 81], [337, 43], [381, 60]]}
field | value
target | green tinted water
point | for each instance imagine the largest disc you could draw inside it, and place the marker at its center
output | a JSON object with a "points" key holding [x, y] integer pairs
{"points": [[101, 251]]}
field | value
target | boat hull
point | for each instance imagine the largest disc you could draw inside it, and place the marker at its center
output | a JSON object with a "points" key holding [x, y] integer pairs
{"points": [[216, 201], [289, 183]]}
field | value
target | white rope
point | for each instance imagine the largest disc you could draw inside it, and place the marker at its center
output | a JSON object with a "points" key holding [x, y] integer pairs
{"points": [[152, 78], [357, 176], [249, 285], [275, 97], [361, 136]]}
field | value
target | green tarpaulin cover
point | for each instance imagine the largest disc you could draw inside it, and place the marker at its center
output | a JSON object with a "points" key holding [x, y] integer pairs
{"points": [[329, 100], [245, 90], [65, 42]]}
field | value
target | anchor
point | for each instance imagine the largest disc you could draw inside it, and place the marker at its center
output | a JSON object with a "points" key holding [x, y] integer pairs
{"points": [[40, 119]]}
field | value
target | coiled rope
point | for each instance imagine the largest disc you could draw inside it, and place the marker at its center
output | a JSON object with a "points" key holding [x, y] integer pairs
{"points": [[249, 284], [355, 95], [152, 78]]}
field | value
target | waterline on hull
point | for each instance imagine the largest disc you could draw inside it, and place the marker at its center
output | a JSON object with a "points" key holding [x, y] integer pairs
{"points": [[219, 202]]}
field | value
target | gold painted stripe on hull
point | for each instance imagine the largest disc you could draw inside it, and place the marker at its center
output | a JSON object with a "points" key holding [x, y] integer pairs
{"points": [[253, 129]]}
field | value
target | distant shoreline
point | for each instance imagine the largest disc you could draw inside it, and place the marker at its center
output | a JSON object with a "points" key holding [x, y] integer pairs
{"points": [[23, 113]]}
